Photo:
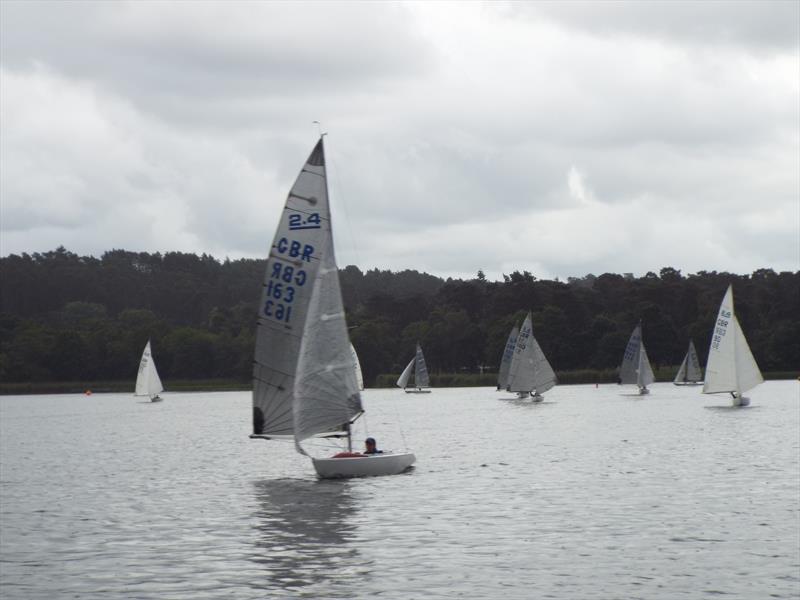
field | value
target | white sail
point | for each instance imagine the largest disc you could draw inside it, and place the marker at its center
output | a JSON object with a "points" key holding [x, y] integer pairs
{"points": [[421, 379], [544, 377], [326, 391], [529, 370], [690, 371], [359, 375], [644, 372], [287, 288], [730, 366], [402, 381], [505, 362], [148, 383]]}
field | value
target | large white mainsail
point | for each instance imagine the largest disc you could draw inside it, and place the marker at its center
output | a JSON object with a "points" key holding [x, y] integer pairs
{"points": [[287, 288], [731, 366], [148, 383], [635, 366], [690, 371], [529, 371], [326, 391], [359, 375], [508, 355]]}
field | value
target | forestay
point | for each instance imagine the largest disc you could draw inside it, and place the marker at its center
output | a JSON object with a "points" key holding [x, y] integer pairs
{"points": [[731, 366], [326, 392], [148, 383], [287, 288]]}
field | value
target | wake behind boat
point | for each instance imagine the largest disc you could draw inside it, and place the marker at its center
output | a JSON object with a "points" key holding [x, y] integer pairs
{"points": [[731, 367], [305, 382]]}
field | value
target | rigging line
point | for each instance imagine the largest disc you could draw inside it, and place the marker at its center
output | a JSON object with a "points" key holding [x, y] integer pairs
{"points": [[400, 426], [339, 188]]}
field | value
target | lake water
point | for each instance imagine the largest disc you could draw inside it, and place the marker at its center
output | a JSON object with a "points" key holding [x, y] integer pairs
{"points": [[592, 494]]}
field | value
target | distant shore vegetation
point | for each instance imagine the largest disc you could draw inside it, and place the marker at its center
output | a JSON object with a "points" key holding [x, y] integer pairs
{"points": [[66, 320]]}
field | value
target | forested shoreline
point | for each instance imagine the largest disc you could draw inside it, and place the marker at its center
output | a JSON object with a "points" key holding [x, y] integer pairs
{"points": [[70, 318]]}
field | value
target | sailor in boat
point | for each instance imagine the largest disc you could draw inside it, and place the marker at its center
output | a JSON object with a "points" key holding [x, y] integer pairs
{"points": [[370, 446]]}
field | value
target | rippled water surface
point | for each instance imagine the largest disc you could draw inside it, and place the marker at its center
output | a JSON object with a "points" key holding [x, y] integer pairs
{"points": [[592, 494]]}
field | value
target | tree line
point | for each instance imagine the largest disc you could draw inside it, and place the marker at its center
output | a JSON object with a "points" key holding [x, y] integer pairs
{"points": [[65, 317]]}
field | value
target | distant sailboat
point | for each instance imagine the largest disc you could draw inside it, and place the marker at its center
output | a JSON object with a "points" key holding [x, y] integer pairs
{"points": [[148, 383], [359, 375], [635, 366], [304, 377], [505, 362], [690, 372], [730, 367], [419, 369], [529, 372]]}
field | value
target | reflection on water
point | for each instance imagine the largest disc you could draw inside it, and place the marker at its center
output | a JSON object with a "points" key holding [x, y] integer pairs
{"points": [[305, 530]]}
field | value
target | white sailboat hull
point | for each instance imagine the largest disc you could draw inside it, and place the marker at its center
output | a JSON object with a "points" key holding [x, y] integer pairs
{"points": [[363, 466], [689, 383], [417, 391]]}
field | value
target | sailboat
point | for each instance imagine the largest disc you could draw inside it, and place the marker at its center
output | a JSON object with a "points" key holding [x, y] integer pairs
{"points": [[730, 367], [148, 383], [505, 362], [690, 372], [529, 372], [635, 366], [419, 369], [359, 374], [304, 374]]}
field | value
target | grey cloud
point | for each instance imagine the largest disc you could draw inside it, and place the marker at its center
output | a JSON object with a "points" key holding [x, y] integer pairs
{"points": [[758, 24]]}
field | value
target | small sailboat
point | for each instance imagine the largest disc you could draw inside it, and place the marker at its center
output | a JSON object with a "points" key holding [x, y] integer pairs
{"points": [[304, 376], [148, 383], [359, 375], [635, 366], [690, 372], [731, 367], [505, 362], [529, 372], [419, 369]]}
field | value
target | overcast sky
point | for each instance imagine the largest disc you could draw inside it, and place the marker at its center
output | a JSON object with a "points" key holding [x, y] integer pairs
{"points": [[558, 138]]}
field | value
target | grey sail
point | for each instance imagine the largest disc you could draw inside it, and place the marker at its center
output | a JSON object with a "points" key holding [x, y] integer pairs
{"points": [[629, 370], [544, 377], [644, 372], [287, 288], [326, 394], [402, 381], [421, 379], [529, 371], [690, 371], [505, 362]]}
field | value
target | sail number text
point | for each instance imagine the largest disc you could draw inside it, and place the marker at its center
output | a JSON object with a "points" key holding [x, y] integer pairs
{"points": [[296, 221], [281, 288], [721, 328]]}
